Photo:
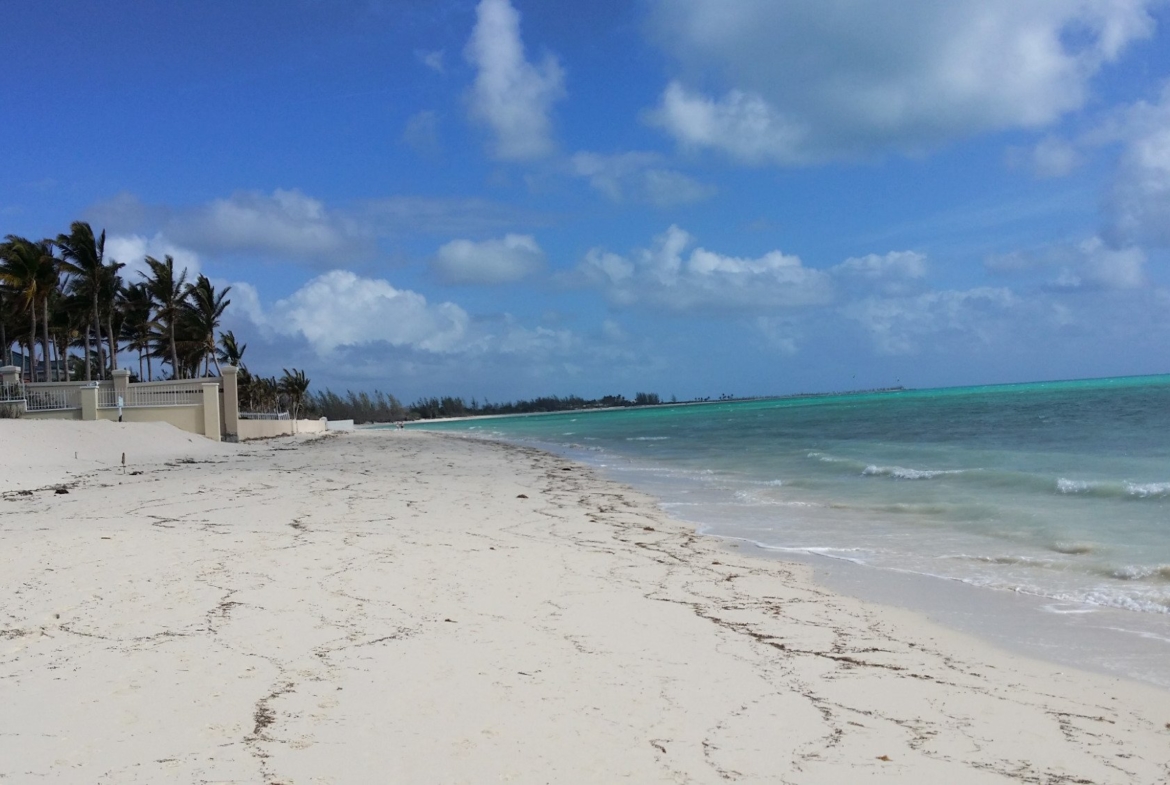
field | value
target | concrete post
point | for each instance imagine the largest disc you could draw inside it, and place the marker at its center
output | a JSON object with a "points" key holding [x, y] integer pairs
{"points": [[211, 412], [121, 387], [231, 402], [121, 381], [9, 374], [89, 400]]}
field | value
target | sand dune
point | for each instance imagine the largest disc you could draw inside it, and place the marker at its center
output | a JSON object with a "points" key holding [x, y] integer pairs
{"points": [[409, 607]]}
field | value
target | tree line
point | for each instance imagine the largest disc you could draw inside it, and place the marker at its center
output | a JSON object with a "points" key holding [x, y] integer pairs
{"points": [[64, 299], [362, 407]]}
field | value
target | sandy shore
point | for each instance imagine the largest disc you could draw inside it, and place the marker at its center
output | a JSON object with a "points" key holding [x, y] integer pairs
{"points": [[419, 608]]}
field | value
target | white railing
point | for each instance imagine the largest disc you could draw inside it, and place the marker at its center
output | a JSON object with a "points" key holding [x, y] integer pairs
{"points": [[107, 398], [157, 395], [11, 393], [263, 415], [50, 399]]}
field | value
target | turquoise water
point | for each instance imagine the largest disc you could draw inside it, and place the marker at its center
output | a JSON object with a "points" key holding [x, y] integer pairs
{"points": [[1059, 490]]}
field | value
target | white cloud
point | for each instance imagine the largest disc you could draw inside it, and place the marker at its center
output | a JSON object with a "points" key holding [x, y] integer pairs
{"points": [[422, 133], [342, 309], [895, 273], [432, 60], [1053, 157], [640, 177], [285, 223], [511, 96], [661, 276], [801, 81], [904, 325], [1090, 264], [1100, 266], [511, 258], [1138, 207], [132, 250], [895, 264]]}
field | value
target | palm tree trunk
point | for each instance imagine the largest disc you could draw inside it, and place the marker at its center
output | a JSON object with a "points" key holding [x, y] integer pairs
{"points": [[45, 340], [149, 370], [85, 344], [32, 343], [113, 343], [174, 352], [97, 329], [4, 347]]}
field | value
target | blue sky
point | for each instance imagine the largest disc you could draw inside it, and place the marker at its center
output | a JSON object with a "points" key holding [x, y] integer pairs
{"points": [[694, 197]]}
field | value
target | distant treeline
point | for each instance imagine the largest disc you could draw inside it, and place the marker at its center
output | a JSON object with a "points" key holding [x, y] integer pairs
{"points": [[380, 407]]}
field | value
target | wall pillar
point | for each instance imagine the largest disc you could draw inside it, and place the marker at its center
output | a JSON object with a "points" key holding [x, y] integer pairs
{"points": [[211, 411], [9, 374], [121, 385], [89, 401], [231, 402]]}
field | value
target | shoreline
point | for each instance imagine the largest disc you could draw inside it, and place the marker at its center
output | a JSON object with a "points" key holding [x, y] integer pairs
{"points": [[1103, 639], [440, 609]]}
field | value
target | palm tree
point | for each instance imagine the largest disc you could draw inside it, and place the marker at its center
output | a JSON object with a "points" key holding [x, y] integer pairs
{"points": [[138, 323], [32, 271], [108, 299], [294, 384], [169, 293], [84, 256], [206, 307], [231, 352], [6, 312]]}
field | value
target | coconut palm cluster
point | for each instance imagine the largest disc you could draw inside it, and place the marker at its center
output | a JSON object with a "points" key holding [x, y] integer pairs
{"points": [[68, 313]]}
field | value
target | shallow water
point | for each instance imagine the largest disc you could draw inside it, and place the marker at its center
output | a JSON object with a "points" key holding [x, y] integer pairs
{"points": [[1057, 490]]}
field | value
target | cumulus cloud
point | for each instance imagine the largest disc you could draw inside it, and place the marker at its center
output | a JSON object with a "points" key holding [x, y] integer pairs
{"points": [[662, 276], [903, 325], [1049, 158], [1089, 264], [132, 250], [511, 258], [511, 96], [893, 273], [342, 309], [1138, 205], [283, 223], [801, 82], [639, 177]]}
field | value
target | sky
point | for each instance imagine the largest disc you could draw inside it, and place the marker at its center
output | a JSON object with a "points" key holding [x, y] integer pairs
{"points": [[510, 198]]}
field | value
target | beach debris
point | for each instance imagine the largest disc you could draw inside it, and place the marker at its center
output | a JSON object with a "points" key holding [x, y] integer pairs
{"points": [[135, 473], [452, 621], [658, 746], [885, 758], [648, 528], [59, 491], [566, 468], [521, 496]]}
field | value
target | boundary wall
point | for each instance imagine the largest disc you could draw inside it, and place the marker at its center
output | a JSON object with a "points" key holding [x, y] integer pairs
{"points": [[208, 407]]}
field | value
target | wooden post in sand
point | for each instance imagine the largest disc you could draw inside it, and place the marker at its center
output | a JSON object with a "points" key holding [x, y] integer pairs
{"points": [[211, 411]]}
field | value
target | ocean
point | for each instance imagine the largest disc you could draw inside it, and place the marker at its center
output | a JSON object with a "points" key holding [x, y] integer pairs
{"points": [[1059, 491]]}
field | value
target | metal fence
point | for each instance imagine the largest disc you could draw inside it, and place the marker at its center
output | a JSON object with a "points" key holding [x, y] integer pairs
{"points": [[263, 415]]}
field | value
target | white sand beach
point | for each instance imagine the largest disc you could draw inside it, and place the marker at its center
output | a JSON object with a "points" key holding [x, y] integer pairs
{"points": [[419, 608]]}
